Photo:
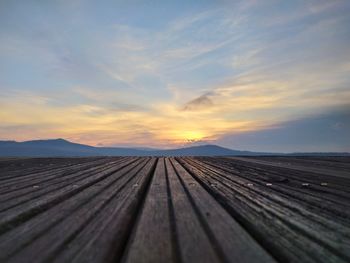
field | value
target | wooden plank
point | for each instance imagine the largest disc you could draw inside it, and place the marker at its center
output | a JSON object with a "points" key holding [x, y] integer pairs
{"points": [[107, 234], [14, 184], [201, 209], [336, 186], [330, 163], [37, 189], [229, 238], [319, 201], [19, 168], [194, 245], [53, 229], [266, 215], [305, 167], [12, 217], [153, 238], [289, 182]]}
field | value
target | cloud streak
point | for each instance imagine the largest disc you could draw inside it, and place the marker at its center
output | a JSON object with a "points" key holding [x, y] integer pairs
{"points": [[202, 102]]}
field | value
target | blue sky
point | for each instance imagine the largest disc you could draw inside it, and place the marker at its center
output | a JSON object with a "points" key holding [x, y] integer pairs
{"points": [[173, 73]]}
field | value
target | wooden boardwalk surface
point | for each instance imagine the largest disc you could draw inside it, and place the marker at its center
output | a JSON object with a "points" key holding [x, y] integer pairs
{"points": [[183, 209]]}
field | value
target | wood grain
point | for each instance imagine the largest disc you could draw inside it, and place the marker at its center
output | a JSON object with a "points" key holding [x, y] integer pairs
{"points": [[183, 209]]}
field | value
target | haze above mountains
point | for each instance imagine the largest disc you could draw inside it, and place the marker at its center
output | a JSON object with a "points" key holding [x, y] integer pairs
{"points": [[64, 148]]}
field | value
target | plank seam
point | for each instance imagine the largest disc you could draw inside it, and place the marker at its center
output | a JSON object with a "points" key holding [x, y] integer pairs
{"points": [[173, 228], [236, 216], [212, 239], [120, 256], [18, 219]]}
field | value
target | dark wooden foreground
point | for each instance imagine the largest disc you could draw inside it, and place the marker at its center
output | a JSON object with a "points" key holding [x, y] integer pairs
{"points": [[204, 209]]}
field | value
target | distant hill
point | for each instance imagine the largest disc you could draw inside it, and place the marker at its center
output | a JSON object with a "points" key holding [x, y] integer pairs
{"points": [[61, 147], [203, 150]]}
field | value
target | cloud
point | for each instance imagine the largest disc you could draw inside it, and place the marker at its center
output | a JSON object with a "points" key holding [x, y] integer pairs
{"points": [[203, 101], [327, 131]]}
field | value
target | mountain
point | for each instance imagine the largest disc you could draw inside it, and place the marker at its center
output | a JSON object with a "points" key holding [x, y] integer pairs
{"points": [[61, 147], [203, 150]]}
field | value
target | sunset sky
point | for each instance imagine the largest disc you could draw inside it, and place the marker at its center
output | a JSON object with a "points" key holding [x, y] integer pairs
{"points": [[255, 75]]}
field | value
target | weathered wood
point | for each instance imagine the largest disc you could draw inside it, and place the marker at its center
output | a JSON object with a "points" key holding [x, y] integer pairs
{"points": [[338, 186], [15, 183], [194, 243], [330, 163], [320, 167], [19, 168], [51, 229], [226, 235], [186, 209], [14, 216], [153, 238], [37, 189], [93, 202], [266, 214], [108, 233]]}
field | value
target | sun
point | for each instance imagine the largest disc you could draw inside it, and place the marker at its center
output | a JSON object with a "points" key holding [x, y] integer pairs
{"points": [[192, 135]]}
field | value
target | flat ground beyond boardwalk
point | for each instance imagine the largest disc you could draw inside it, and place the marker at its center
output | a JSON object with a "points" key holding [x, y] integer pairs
{"points": [[129, 209]]}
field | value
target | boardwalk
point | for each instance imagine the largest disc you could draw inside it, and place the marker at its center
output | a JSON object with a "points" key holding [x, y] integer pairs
{"points": [[188, 209]]}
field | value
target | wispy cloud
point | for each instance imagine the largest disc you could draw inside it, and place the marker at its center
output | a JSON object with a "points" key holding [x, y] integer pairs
{"points": [[203, 101]]}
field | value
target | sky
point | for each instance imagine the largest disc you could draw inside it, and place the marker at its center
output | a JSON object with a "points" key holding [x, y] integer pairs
{"points": [[266, 75]]}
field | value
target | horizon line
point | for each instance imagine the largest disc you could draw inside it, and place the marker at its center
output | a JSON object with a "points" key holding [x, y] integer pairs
{"points": [[165, 149]]}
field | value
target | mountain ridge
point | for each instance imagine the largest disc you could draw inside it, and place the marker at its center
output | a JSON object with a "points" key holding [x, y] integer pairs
{"points": [[64, 148]]}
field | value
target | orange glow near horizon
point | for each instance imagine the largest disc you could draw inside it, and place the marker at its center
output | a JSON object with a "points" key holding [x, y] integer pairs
{"points": [[92, 125], [163, 125]]}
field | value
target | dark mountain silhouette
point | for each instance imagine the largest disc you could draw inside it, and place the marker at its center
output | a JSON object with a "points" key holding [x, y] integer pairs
{"points": [[203, 150], [61, 147]]}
